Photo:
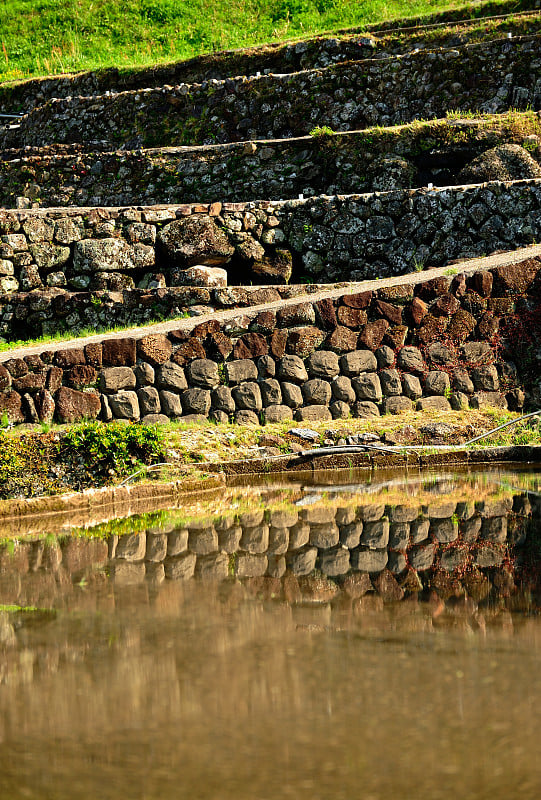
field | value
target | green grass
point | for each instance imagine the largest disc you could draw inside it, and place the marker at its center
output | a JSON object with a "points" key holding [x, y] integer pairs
{"points": [[40, 37]]}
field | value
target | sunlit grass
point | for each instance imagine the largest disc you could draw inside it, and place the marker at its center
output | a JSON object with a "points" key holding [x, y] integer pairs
{"points": [[52, 37]]}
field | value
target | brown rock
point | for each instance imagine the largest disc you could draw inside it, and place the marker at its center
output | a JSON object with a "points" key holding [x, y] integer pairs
{"points": [[261, 296], [29, 383], [188, 351], [202, 330], [195, 240], [155, 348], [432, 328], [446, 305], [387, 586], [357, 584], [53, 380], [391, 313], [482, 283], [264, 322], [418, 310], [69, 358], [360, 300], [10, 404], [397, 294], [5, 379], [16, 367], [488, 326], [81, 375], [352, 317], [373, 333], [516, 278], [461, 326], [434, 288], [93, 354], [218, 346], [396, 336], [300, 314], [74, 406], [118, 352], [250, 345], [303, 341], [45, 405], [35, 364], [278, 343], [342, 340], [326, 314]]}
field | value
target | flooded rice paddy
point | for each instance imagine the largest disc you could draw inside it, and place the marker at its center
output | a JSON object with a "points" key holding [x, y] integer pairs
{"points": [[332, 637]]}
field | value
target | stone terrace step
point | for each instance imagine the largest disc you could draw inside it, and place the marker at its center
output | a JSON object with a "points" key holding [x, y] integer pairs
{"points": [[429, 343], [490, 77], [326, 239], [276, 58], [371, 160]]}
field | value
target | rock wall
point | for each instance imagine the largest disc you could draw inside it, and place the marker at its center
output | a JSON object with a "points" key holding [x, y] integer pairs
{"points": [[372, 160], [492, 78], [327, 238], [445, 343]]}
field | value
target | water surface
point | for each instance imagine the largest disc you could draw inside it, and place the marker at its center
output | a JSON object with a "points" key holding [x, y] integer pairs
{"points": [[306, 640]]}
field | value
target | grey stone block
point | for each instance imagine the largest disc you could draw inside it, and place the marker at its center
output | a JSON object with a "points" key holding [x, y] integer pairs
{"points": [[437, 383], [196, 401], [124, 405], [241, 370], [316, 392], [391, 384], [357, 362], [375, 534], [367, 387], [171, 377]]}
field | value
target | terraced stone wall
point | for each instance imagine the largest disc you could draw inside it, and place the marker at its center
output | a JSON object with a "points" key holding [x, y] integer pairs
{"points": [[446, 343], [327, 239], [372, 160], [280, 58], [346, 96]]}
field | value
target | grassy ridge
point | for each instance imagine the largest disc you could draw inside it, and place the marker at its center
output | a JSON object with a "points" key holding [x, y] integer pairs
{"points": [[39, 37]]}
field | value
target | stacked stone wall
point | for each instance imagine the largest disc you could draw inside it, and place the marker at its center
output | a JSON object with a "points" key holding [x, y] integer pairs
{"points": [[327, 239], [450, 342], [364, 161], [346, 96], [377, 40]]}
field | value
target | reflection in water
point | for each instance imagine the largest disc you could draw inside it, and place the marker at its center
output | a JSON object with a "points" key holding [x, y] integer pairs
{"points": [[313, 641]]}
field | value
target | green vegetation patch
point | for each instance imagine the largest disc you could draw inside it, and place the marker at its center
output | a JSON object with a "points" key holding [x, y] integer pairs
{"points": [[89, 454]]}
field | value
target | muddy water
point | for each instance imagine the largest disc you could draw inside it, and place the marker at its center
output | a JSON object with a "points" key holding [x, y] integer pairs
{"points": [[306, 641]]}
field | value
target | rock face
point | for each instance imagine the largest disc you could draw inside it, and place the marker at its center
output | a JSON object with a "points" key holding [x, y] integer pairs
{"points": [[507, 162], [200, 275], [74, 406], [195, 240], [104, 255]]}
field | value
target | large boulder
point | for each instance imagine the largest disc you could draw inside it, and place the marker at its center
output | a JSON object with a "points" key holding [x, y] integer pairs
{"points": [[111, 255], [195, 240], [507, 162]]}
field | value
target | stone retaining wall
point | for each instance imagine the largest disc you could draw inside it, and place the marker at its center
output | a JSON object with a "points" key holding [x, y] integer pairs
{"points": [[372, 160], [329, 239], [291, 57], [491, 77], [446, 343]]}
